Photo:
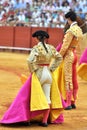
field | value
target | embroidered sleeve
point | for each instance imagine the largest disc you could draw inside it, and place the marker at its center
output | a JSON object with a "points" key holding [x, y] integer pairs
{"points": [[56, 60], [66, 43], [32, 60]]}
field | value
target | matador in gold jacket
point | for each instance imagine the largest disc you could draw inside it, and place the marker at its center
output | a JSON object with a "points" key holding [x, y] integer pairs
{"points": [[71, 40], [39, 98], [43, 61]]}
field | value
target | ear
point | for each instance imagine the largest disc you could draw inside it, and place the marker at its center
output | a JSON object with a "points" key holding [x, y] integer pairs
{"points": [[36, 39]]}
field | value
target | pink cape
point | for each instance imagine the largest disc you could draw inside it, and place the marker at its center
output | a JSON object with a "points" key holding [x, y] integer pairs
{"points": [[20, 108], [19, 111], [83, 58], [59, 47]]}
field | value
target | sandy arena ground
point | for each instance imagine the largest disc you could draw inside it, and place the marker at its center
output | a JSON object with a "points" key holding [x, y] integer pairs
{"points": [[12, 65]]}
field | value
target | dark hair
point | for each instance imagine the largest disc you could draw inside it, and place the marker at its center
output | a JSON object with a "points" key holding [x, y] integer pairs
{"points": [[41, 39], [40, 33], [71, 15], [80, 23], [41, 36]]}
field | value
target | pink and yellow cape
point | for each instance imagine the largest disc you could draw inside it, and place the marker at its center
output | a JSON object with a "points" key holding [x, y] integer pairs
{"points": [[30, 102], [82, 68]]}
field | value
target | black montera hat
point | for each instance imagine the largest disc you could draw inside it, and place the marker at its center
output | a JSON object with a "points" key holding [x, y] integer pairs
{"points": [[40, 33]]}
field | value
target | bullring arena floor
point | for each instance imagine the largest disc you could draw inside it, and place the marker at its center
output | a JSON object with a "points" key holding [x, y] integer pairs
{"points": [[12, 65]]}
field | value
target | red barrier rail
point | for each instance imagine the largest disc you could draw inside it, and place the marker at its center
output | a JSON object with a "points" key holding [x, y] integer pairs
{"points": [[21, 37]]}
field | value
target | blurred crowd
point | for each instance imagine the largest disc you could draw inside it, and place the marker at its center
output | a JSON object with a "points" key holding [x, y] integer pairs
{"points": [[42, 13]]}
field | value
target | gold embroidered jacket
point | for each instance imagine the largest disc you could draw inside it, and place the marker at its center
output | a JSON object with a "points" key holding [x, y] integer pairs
{"points": [[39, 56], [71, 40]]}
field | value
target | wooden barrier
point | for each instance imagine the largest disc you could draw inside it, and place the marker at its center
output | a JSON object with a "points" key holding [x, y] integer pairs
{"points": [[56, 36], [21, 37], [6, 36]]}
